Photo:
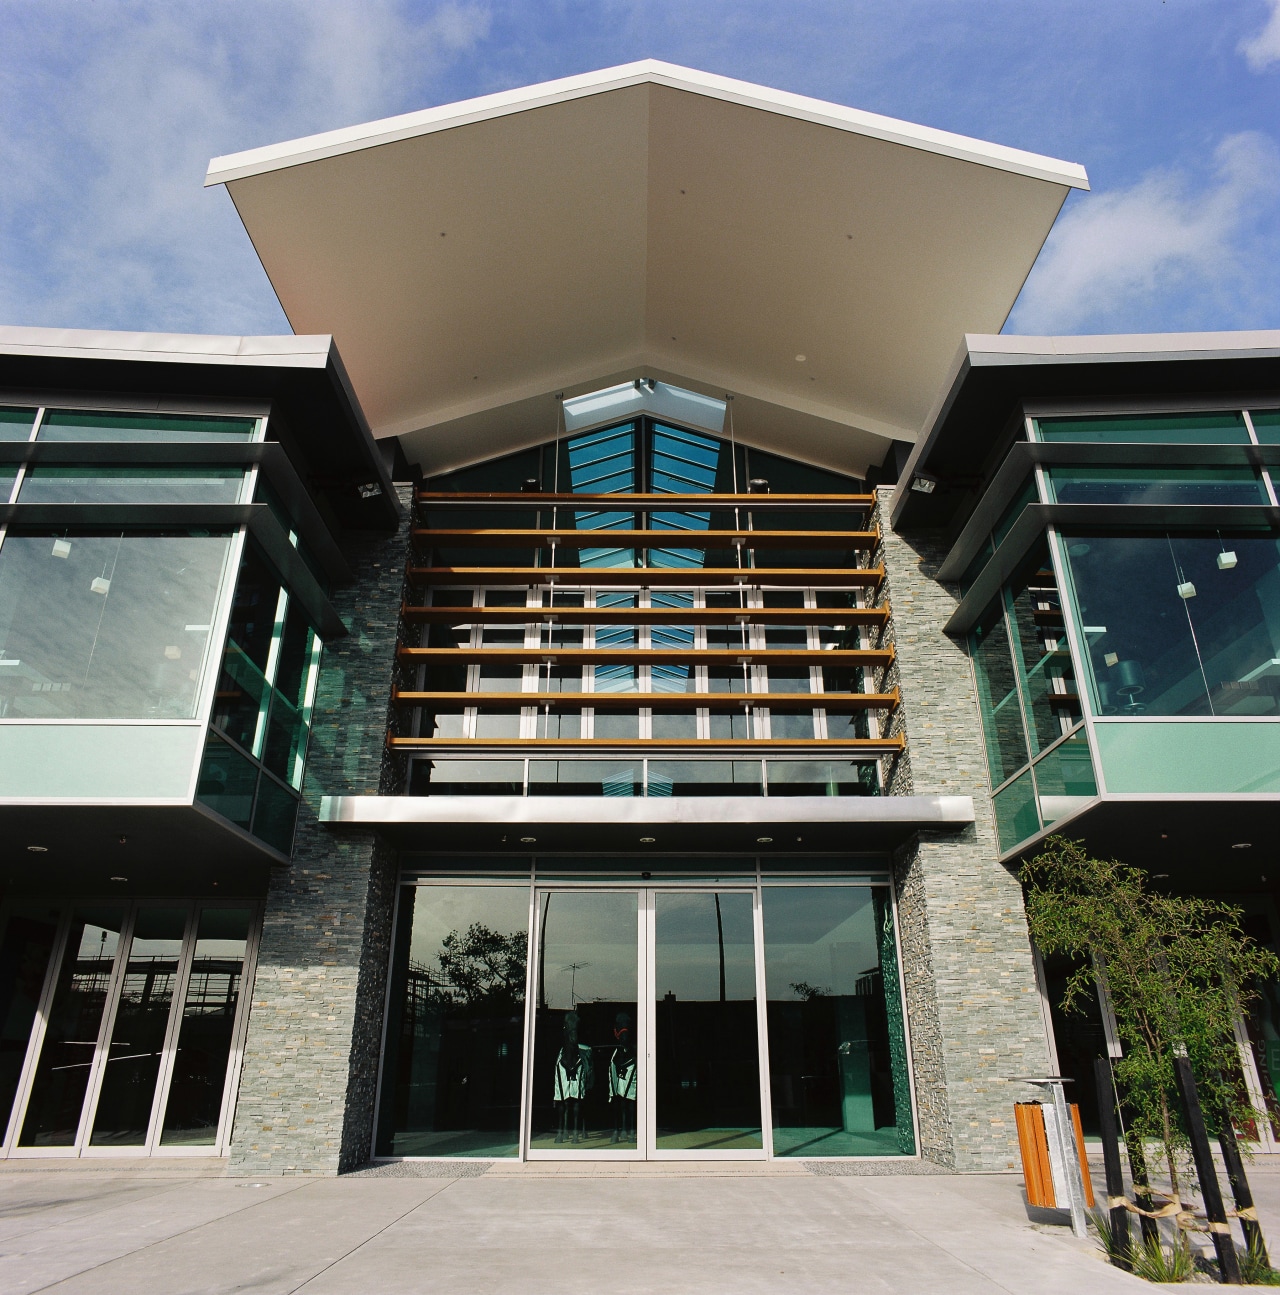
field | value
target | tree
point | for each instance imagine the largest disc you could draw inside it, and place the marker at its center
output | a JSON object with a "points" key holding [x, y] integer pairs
{"points": [[483, 968], [1179, 971]]}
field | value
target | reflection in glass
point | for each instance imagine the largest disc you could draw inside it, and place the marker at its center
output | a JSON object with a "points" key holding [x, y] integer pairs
{"points": [[837, 1050], [71, 1037], [1063, 776], [1154, 429], [585, 778], [1006, 740], [707, 1061], [1158, 486], [1266, 425], [24, 960], [704, 777], [467, 778], [585, 1076], [227, 781], [451, 1070], [1179, 624], [82, 425], [823, 778], [106, 626], [1015, 810], [15, 424], [128, 1088], [46, 483], [206, 1033]]}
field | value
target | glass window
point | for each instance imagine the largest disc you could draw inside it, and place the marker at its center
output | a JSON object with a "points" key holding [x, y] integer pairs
{"points": [[47, 483], [618, 725], [1006, 740], [86, 425], [1049, 692], [1027, 495], [793, 724], [24, 960], [467, 778], [1015, 808], [138, 1033], [822, 778], [837, 1049], [71, 1036], [1119, 485], [16, 424], [704, 778], [1179, 624], [274, 814], [1266, 425], [454, 1041], [106, 626], [1149, 429], [227, 781], [1064, 775], [207, 1029], [498, 722], [584, 778], [674, 725]]}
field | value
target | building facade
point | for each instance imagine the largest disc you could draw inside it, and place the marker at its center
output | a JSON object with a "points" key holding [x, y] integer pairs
{"points": [[587, 693]]}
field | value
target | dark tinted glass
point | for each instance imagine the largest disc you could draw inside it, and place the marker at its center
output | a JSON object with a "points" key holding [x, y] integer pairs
{"points": [[24, 960]]}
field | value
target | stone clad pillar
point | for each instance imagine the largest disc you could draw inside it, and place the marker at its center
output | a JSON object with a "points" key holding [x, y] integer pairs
{"points": [[310, 1066], [972, 998]]}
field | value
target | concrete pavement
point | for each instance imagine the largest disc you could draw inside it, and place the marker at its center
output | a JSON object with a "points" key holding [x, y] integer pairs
{"points": [[174, 1229]]}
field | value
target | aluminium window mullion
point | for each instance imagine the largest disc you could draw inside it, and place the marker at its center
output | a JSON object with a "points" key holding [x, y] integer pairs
{"points": [[36, 1035], [168, 1051], [239, 1031]]}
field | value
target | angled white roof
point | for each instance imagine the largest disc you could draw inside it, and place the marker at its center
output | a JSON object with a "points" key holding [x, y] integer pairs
{"points": [[474, 260]]}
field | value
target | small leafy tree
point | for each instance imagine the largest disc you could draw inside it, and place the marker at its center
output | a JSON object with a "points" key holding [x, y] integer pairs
{"points": [[483, 968], [1178, 969]]}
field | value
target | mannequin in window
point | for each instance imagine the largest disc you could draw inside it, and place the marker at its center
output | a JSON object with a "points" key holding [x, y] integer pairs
{"points": [[622, 1080], [573, 1079]]}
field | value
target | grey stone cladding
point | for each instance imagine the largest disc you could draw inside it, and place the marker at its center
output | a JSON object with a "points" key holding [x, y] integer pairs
{"points": [[972, 999], [306, 1095]]}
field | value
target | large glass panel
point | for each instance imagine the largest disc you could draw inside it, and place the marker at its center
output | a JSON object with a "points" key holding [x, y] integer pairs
{"points": [[275, 813], [1015, 809], [1163, 485], [837, 1051], [585, 1077], [1006, 739], [1064, 777], [1266, 425], [15, 424], [24, 959], [47, 483], [84, 425], [823, 778], [585, 778], [705, 777], [707, 1060], [137, 1034], [1179, 624], [207, 1030], [454, 1049], [106, 626], [1155, 429], [71, 1036], [1049, 693], [467, 778], [227, 781]]}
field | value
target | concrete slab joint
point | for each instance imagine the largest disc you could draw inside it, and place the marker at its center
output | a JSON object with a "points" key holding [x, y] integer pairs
{"points": [[970, 983]]}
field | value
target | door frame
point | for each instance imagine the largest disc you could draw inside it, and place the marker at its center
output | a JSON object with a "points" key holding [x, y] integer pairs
{"points": [[646, 1020]]}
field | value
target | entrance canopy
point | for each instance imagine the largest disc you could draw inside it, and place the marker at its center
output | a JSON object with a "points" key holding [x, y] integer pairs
{"points": [[476, 260]]}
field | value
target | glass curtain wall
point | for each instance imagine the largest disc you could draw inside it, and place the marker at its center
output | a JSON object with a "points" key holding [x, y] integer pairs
{"points": [[119, 1024], [458, 1021], [256, 752]]}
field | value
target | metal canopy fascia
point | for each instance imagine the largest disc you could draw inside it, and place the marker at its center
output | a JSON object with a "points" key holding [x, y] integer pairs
{"points": [[475, 260]]}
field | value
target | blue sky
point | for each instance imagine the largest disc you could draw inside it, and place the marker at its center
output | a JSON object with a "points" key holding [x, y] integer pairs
{"points": [[111, 111]]}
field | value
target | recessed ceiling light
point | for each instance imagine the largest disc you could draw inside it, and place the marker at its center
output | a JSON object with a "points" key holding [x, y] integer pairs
{"points": [[38, 849], [764, 840], [1243, 845], [647, 840], [119, 878], [1160, 875], [528, 840], [799, 359]]}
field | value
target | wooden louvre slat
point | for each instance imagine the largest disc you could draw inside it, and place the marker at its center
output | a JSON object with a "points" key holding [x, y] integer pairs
{"points": [[652, 577], [872, 657], [833, 701], [647, 615], [644, 539], [644, 745], [532, 499]]}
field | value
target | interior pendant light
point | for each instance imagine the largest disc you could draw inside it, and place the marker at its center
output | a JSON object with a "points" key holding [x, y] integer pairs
{"points": [[62, 548], [1227, 558]]}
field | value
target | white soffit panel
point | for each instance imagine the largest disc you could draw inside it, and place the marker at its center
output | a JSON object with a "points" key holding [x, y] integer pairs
{"points": [[474, 260]]}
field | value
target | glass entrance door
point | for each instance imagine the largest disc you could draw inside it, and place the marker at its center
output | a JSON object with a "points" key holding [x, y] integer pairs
{"points": [[646, 1025]]}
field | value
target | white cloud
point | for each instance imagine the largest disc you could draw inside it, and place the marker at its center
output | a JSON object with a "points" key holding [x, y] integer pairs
{"points": [[1263, 48], [103, 220], [1121, 260]]}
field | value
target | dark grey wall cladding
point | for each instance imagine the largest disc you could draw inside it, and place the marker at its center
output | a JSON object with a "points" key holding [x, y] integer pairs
{"points": [[972, 998], [310, 1065]]}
